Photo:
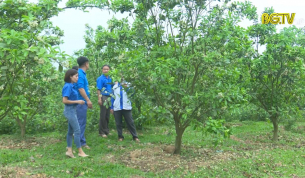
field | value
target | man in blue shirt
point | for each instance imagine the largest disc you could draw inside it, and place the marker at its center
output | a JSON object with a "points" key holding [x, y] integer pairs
{"points": [[82, 87], [104, 89]]}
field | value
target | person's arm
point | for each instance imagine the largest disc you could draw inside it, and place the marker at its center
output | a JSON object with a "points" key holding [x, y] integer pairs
{"points": [[99, 85], [99, 97], [111, 107], [66, 92], [81, 86], [66, 101], [112, 101], [83, 93], [131, 90]]}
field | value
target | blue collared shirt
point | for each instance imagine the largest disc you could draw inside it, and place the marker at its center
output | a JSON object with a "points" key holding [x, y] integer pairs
{"points": [[82, 82], [103, 84], [69, 91]]}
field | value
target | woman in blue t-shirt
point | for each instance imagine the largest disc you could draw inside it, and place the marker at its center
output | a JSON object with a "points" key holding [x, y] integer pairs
{"points": [[70, 100]]}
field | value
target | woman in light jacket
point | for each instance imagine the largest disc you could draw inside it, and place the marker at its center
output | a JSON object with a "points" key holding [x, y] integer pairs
{"points": [[121, 106]]}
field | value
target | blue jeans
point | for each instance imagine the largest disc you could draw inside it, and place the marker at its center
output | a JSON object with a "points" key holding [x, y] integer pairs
{"points": [[73, 126], [81, 111]]}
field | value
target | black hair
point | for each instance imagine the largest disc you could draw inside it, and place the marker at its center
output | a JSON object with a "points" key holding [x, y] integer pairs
{"points": [[75, 67], [106, 65], [82, 60], [69, 74]]}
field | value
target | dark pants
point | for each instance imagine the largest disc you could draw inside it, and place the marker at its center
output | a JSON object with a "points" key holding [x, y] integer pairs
{"points": [[81, 112], [104, 116], [129, 121]]}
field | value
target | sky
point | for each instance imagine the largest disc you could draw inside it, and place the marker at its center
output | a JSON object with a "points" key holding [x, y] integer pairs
{"points": [[73, 21]]}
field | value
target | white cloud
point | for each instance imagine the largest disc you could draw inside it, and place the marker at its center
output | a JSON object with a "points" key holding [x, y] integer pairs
{"points": [[73, 22]]}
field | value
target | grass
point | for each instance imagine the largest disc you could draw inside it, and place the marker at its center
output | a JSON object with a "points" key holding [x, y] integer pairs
{"points": [[249, 153]]}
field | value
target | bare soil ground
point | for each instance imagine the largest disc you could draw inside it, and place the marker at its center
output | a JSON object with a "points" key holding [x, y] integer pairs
{"points": [[159, 158], [28, 143], [16, 172]]}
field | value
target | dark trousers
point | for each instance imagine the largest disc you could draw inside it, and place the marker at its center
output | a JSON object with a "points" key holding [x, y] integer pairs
{"points": [[104, 116], [129, 121], [81, 112]]}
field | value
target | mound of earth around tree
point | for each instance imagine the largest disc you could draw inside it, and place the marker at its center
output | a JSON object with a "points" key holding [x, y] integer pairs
{"points": [[157, 159]]}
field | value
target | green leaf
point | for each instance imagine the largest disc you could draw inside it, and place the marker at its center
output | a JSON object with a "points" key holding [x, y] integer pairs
{"points": [[60, 68], [2, 45], [4, 68]]}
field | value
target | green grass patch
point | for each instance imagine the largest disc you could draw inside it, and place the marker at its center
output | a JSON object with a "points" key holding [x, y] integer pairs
{"points": [[248, 153]]}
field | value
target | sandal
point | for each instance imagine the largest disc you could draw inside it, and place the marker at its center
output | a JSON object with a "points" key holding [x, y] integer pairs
{"points": [[82, 155], [86, 146], [103, 135], [70, 155], [136, 140], [120, 139]]}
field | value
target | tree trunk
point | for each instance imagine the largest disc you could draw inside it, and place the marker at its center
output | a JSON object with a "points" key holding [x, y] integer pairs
{"points": [[275, 129], [139, 107], [22, 126], [22, 130], [178, 141]]}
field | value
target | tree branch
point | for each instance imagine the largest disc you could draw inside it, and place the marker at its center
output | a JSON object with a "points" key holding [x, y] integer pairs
{"points": [[98, 7], [2, 116]]}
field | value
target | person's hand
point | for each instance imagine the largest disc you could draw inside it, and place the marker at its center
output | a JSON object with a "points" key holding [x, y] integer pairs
{"points": [[100, 102], [111, 111], [89, 104], [81, 102]]}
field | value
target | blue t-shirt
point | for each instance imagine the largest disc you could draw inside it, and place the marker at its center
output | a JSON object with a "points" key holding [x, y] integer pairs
{"points": [[69, 91], [102, 83], [82, 82]]}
